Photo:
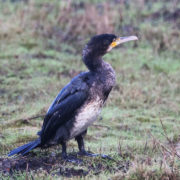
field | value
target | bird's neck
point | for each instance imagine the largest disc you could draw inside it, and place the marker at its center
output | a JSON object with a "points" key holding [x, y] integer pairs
{"points": [[93, 61], [103, 71], [94, 65]]}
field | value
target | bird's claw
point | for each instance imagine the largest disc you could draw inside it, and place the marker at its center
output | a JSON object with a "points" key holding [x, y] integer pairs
{"points": [[72, 159]]}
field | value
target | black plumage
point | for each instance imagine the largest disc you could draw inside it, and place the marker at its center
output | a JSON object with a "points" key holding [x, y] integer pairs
{"points": [[79, 103]]}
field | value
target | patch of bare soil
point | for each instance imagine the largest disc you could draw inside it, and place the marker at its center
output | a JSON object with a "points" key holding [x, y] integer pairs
{"points": [[55, 165]]}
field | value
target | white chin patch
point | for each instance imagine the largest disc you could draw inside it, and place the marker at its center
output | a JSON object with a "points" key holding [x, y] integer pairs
{"points": [[109, 48]]}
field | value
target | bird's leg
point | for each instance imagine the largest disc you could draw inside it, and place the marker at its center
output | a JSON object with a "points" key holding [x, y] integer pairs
{"points": [[80, 142], [82, 150], [64, 153], [66, 157]]}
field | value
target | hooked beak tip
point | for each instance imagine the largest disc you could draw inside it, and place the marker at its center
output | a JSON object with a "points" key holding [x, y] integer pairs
{"points": [[121, 40]]}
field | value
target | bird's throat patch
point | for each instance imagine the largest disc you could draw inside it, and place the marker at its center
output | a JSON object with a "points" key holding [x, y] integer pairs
{"points": [[113, 44]]}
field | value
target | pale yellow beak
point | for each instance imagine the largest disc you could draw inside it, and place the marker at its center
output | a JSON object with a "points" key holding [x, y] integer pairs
{"points": [[121, 40]]}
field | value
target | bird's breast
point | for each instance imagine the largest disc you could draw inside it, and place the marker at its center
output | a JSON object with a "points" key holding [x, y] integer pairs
{"points": [[86, 115]]}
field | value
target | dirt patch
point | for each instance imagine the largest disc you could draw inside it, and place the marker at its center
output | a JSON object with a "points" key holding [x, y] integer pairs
{"points": [[55, 165]]}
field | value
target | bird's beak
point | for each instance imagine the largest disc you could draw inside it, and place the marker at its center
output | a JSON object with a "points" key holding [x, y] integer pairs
{"points": [[121, 40]]}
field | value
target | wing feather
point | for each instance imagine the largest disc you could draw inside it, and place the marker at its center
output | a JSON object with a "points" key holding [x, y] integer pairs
{"points": [[63, 108]]}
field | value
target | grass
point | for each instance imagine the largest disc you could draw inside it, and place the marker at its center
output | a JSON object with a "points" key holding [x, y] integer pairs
{"points": [[39, 55]]}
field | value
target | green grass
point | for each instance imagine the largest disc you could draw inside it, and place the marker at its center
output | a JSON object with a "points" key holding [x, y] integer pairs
{"points": [[35, 65]]}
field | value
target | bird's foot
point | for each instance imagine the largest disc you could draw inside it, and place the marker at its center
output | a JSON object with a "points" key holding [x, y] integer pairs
{"points": [[89, 154], [71, 159]]}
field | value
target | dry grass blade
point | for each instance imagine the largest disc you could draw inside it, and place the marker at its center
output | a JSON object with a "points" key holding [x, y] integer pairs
{"points": [[163, 146]]}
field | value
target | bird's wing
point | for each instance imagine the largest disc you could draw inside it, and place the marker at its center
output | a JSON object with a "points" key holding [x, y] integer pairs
{"points": [[65, 104]]}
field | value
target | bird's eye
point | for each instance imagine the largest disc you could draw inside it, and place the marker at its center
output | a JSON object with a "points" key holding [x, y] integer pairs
{"points": [[106, 42]]}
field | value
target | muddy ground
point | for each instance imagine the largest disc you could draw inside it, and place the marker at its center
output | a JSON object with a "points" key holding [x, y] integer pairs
{"points": [[53, 164]]}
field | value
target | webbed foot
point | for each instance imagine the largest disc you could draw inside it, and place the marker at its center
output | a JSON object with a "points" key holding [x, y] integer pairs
{"points": [[71, 159]]}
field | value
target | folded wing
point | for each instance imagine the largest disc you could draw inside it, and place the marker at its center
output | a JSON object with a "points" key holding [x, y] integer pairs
{"points": [[63, 108]]}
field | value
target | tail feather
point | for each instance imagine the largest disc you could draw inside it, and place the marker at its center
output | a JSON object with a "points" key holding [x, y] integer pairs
{"points": [[34, 145], [25, 148]]}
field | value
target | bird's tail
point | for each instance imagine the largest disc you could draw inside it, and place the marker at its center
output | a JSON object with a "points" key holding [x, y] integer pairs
{"points": [[25, 148]]}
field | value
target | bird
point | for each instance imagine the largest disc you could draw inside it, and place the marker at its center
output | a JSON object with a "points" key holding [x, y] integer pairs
{"points": [[79, 103]]}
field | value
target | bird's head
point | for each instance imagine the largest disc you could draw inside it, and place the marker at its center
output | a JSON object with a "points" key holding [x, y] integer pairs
{"points": [[101, 44]]}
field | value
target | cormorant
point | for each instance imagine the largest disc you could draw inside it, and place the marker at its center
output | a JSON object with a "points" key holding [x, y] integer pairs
{"points": [[79, 103]]}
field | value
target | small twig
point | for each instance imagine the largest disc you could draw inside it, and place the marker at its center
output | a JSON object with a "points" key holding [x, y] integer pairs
{"points": [[30, 118], [145, 146], [48, 164], [165, 148], [43, 115], [170, 142], [101, 126], [27, 166], [165, 133]]}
